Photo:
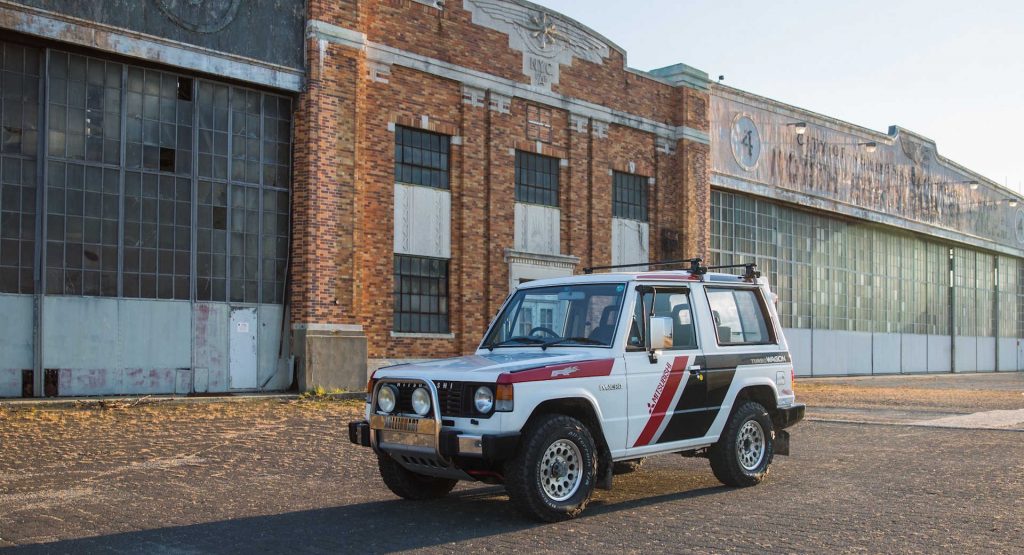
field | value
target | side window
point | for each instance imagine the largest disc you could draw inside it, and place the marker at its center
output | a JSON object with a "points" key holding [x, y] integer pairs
{"points": [[739, 317], [671, 303]]}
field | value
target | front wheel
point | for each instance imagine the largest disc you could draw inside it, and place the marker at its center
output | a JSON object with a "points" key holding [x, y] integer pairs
{"points": [[410, 485], [552, 476], [745, 450]]}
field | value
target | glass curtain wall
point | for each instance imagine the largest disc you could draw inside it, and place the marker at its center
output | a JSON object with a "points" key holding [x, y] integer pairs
{"points": [[157, 185], [837, 274]]}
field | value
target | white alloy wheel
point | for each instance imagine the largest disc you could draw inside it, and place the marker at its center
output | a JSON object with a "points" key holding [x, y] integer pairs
{"points": [[750, 445], [561, 470]]}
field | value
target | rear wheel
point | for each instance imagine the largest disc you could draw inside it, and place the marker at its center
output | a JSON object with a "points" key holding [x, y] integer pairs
{"points": [[744, 451], [410, 485], [552, 476]]}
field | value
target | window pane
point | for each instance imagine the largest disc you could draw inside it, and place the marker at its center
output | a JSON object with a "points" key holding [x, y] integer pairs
{"points": [[424, 311], [421, 157]]}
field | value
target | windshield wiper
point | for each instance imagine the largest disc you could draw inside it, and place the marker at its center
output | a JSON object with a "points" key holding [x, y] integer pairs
{"points": [[583, 340], [516, 339]]}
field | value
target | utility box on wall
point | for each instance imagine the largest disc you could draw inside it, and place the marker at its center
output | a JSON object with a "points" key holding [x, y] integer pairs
{"points": [[329, 356]]}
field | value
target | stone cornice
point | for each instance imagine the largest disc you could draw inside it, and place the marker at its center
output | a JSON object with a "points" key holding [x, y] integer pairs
{"points": [[382, 53], [90, 34]]}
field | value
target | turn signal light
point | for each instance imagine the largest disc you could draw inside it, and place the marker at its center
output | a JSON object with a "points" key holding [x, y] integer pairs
{"points": [[504, 398]]}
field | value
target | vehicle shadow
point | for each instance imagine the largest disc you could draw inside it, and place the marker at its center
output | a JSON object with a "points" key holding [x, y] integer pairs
{"points": [[372, 527]]}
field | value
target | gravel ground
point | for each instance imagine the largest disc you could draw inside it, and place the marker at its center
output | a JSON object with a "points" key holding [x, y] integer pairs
{"points": [[272, 476]]}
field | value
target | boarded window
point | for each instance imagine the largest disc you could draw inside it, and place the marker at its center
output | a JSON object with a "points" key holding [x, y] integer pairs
{"points": [[538, 124]]}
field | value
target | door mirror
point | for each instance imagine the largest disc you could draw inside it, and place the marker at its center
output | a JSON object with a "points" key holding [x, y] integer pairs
{"points": [[661, 329]]}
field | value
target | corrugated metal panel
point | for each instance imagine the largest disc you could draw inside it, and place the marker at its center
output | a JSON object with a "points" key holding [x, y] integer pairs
{"points": [[16, 343], [211, 346], [273, 373], [154, 334], [80, 332]]}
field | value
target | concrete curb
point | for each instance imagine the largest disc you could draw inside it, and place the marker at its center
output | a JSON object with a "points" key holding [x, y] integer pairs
{"points": [[88, 402]]}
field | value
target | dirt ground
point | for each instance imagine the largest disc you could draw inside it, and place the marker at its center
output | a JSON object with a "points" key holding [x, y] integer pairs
{"points": [[280, 476], [952, 392]]}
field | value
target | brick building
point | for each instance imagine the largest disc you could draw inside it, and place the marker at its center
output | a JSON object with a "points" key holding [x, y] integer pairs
{"points": [[444, 154], [218, 195]]}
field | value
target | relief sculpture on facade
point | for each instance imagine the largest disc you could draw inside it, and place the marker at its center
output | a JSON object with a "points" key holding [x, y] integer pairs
{"points": [[547, 41]]}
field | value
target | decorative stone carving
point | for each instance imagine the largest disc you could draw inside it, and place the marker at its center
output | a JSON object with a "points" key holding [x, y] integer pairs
{"points": [[921, 153], [666, 146], [500, 103], [200, 16], [473, 96], [379, 73], [600, 129], [578, 123], [547, 40]]}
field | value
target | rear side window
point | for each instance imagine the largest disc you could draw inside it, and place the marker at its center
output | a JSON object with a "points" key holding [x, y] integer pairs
{"points": [[740, 317]]}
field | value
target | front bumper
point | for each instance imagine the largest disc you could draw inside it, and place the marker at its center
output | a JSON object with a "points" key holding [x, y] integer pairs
{"points": [[788, 416], [451, 443]]}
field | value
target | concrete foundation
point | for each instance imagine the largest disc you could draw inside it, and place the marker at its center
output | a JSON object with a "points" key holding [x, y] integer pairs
{"points": [[331, 356]]}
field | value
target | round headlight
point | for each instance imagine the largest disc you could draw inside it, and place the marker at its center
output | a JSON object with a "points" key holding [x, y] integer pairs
{"points": [[483, 399], [421, 401], [387, 398]]}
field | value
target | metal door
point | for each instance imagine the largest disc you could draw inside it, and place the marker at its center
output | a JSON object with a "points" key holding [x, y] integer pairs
{"points": [[242, 353]]}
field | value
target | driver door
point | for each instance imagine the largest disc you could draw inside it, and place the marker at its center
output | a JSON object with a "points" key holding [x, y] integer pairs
{"points": [[664, 396]]}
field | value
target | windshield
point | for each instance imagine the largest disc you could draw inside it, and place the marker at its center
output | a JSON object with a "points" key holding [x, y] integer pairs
{"points": [[585, 314]]}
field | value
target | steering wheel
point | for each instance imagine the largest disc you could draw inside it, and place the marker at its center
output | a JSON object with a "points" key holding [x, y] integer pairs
{"points": [[548, 331]]}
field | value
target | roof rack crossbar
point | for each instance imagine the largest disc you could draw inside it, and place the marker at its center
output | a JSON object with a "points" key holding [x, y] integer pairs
{"points": [[694, 263], [750, 269]]}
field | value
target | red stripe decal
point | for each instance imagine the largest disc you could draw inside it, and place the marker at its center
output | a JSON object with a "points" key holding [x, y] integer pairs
{"points": [[588, 369], [663, 396]]}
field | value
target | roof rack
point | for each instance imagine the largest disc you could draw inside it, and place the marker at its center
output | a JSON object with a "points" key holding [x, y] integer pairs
{"points": [[695, 267], [749, 268]]}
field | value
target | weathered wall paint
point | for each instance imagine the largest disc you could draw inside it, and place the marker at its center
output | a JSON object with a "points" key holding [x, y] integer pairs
{"points": [[16, 333], [266, 30]]}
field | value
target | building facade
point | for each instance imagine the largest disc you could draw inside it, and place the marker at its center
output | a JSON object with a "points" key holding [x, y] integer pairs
{"points": [[886, 256], [445, 154], [220, 196], [145, 177]]}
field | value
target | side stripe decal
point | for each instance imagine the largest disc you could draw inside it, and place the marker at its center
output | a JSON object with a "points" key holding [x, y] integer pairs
{"points": [[666, 396]]}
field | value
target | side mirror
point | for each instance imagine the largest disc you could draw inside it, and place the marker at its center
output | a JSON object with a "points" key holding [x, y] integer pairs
{"points": [[661, 330]]}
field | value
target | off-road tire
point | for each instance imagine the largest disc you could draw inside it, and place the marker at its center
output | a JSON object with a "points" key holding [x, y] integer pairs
{"points": [[410, 485], [627, 467], [523, 480], [725, 460]]}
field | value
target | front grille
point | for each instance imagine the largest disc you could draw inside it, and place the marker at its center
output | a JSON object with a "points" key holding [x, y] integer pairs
{"points": [[451, 396]]}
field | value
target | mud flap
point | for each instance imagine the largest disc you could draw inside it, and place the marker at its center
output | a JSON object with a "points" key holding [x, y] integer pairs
{"points": [[782, 442], [605, 471]]}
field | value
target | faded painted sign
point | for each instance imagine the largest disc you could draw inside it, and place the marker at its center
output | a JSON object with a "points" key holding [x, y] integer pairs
{"points": [[900, 174]]}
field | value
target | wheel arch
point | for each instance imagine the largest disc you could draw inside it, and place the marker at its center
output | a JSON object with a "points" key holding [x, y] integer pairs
{"points": [[761, 393], [584, 410]]}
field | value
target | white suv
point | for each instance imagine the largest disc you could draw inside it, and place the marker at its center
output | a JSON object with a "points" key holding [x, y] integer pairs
{"points": [[580, 378]]}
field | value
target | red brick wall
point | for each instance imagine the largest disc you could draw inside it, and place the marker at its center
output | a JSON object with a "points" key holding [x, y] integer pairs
{"points": [[344, 182]]}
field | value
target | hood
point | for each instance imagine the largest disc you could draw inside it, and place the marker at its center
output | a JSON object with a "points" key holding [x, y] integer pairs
{"points": [[485, 367]]}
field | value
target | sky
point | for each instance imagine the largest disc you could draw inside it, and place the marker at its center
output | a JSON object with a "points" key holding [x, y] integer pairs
{"points": [[952, 71]]}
